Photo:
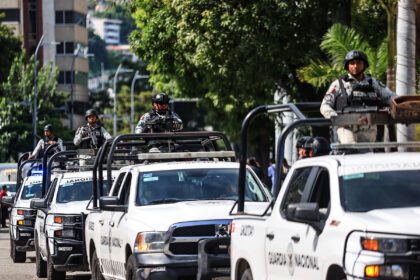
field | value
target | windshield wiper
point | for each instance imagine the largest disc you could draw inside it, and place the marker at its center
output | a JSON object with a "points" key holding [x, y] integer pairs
{"points": [[168, 200]]}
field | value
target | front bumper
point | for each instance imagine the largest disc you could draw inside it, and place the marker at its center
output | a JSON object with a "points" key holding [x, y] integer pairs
{"points": [[159, 266], [24, 239], [69, 255]]}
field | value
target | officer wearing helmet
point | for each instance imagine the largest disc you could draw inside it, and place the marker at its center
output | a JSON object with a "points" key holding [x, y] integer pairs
{"points": [[300, 147], [160, 118], [49, 139], [355, 89], [317, 146], [91, 135]]}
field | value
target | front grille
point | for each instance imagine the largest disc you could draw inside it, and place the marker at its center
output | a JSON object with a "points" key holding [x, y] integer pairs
{"points": [[184, 237], [201, 230]]}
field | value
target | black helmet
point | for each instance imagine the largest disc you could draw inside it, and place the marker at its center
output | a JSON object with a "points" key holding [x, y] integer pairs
{"points": [[300, 143], [48, 127], [319, 145], [161, 98], [91, 112], [351, 55]]}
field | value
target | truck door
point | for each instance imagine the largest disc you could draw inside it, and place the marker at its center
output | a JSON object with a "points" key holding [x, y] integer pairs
{"points": [[104, 225], [282, 235], [303, 257], [41, 217], [119, 229]]}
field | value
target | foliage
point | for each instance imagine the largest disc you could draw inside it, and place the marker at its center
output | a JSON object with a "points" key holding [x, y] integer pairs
{"points": [[336, 43], [230, 54], [97, 47], [10, 46], [15, 101]]}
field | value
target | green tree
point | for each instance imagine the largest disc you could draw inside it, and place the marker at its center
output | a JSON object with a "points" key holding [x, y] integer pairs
{"points": [[10, 46], [16, 100], [97, 47], [336, 43]]}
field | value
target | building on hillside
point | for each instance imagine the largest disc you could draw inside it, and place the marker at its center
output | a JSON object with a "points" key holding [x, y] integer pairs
{"points": [[107, 29], [63, 25]]}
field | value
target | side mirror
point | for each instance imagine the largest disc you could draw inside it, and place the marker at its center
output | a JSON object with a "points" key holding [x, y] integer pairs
{"points": [[307, 213], [38, 203], [111, 203], [8, 200]]}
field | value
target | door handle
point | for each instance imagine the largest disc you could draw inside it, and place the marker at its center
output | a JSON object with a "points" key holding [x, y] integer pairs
{"points": [[296, 238], [111, 224], [101, 222], [270, 236]]}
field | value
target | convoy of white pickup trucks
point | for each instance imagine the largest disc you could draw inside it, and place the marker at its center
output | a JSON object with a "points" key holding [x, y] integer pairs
{"points": [[191, 211]]}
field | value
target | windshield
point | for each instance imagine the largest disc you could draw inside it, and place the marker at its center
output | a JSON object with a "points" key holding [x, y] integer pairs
{"points": [[11, 187], [31, 191], [74, 191], [364, 192], [195, 184]]}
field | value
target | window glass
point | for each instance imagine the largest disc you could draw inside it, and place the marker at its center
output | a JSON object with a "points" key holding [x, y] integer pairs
{"points": [[68, 77], [68, 17], [296, 186], [195, 184], [125, 190], [69, 47], [31, 191], [364, 192], [60, 48], [59, 17], [61, 77], [118, 184], [74, 191]]}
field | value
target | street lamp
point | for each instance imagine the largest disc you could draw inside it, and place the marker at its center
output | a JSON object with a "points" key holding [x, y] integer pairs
{"points": [[136, 77], [119, 69], [35, 109], [76, 53]]}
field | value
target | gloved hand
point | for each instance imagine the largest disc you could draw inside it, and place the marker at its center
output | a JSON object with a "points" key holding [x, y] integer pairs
{"points": [[176, 126]]}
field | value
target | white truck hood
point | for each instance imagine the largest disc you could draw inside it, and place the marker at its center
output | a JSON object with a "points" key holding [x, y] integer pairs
{"points": [[74, 207], [396, 220], [161, 217]]}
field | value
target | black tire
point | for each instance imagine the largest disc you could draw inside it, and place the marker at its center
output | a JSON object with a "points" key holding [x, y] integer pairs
{"points": [[54, 274], [17, 257], [247, 275], [41, 265], [96, 268], [130, 270]]}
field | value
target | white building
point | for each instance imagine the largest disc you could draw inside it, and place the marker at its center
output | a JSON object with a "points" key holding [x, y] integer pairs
{"points": [[107, 29]]}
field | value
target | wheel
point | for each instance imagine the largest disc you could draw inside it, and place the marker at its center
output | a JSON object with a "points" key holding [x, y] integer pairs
{"points": [[130, 270], [247, 275], [96, 268], [41, 265], [54, 274], [17, 257]]}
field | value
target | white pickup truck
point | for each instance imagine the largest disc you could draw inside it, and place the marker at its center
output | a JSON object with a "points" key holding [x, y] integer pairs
{"points": [[59, 226], [150, 224], [336, 217]]}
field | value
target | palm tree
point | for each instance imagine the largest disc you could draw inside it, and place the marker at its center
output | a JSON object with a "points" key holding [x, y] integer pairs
{"points": [[336, 43]]}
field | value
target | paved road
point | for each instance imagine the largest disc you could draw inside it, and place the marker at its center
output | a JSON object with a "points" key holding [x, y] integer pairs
{"points": [[22, 271]]}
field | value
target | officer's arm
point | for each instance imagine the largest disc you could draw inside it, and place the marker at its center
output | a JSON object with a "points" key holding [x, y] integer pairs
{"points": [[36, 150], [105, 133], [141, 125], [385, 93], [178, 125], [78, 137], [327, 105]]}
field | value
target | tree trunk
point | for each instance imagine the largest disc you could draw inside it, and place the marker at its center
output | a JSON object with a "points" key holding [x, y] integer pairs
{"points": [[406, 46]]}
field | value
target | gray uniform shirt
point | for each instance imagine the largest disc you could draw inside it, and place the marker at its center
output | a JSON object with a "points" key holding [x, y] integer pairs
{"points": [[78, 138], [328, 103], [42, 145], [150, 116]]}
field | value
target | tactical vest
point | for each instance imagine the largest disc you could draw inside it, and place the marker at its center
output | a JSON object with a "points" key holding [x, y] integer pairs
{"points": [[89, 143], [45, 146], [362, 94]]}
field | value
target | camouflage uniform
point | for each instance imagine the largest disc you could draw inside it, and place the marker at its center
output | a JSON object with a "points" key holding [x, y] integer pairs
{"points": [[90, 137], [43, 145], [143, 126], [374, 90]]}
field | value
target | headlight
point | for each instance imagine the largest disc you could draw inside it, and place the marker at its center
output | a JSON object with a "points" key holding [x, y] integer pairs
{"points": [[28, 223], [149, 242], [385, 245], [394, 271], [67, 233], [26, 212], [65, 220]]}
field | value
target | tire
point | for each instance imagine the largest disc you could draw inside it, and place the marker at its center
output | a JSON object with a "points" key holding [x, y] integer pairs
{"points": [[130, 270], [54, 274], [96, 268], [247, 275], [17, 257], [41, 265]]}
